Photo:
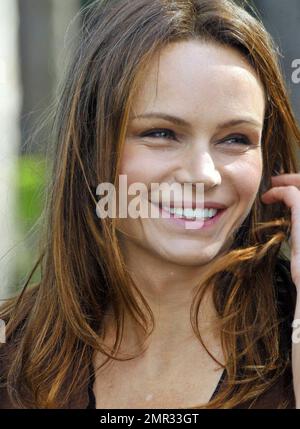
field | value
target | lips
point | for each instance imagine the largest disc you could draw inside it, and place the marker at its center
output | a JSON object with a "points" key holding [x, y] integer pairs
{"points": [[199, 221], [192, 205]]}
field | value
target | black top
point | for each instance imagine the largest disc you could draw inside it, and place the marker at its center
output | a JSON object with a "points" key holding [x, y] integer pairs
{"points": [[92, 400]]}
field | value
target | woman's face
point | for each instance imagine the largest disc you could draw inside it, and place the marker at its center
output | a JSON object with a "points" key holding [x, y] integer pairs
{"points": [[217, 104]]}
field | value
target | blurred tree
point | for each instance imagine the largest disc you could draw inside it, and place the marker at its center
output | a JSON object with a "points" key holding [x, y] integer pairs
{"points": [[9, 139]]}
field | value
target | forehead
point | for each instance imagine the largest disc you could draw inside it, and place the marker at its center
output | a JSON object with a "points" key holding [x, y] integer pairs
{"points": [[200, 79]]}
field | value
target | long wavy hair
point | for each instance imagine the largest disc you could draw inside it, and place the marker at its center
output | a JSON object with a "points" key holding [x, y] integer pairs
{"points": [[57, 323]]}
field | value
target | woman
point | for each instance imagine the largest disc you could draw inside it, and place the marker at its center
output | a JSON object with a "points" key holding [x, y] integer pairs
{"points": [[144, 312]]}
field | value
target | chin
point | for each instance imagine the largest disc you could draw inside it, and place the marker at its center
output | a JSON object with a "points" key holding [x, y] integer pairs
{"points": [[190, 259]]}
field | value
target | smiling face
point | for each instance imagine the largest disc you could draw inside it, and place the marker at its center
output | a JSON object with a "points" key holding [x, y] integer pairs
{"points": [[197, 117]]}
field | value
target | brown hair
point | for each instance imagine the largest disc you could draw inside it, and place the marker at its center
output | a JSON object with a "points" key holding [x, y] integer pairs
{"points": [[58, 321]]}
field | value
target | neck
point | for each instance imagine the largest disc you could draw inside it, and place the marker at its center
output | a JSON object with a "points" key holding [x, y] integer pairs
{"points": [[169, 290]]}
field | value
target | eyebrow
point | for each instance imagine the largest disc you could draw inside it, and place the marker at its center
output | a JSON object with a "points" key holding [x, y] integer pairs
{"points": [[181, 122]]}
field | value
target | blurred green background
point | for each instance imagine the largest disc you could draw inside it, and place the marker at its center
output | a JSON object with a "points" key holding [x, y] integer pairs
{"points": [[31, 182]]}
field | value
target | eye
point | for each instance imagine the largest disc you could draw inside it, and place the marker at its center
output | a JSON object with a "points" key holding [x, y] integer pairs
{"points": [[159, 133], [239, 139]]}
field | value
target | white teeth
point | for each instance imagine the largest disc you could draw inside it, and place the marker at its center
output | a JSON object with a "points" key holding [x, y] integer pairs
{"points": [[191, 213]]}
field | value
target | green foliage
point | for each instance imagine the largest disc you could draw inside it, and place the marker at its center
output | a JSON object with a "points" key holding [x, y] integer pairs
{"points": [[30, 189]]}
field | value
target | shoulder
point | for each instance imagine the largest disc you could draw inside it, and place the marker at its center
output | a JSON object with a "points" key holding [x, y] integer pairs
{"points": [[279, 396], [15, 322], [282, 272], [281, 393], [14, 352], [7, 352], [286, 295]]}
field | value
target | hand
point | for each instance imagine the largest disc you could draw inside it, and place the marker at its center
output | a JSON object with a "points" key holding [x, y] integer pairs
{"points": [[286, 189]]}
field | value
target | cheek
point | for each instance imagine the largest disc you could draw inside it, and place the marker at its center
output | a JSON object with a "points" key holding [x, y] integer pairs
{"points": [[131, 163], [246, 176], [142, 165]]}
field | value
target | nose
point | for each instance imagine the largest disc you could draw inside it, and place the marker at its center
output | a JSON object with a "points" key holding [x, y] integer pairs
{"points": [[198, 166]]}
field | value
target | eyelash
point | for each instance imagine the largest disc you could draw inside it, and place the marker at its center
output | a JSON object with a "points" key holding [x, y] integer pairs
{"points": [[244, 140]]}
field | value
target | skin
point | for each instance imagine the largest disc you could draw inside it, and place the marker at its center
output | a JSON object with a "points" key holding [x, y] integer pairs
{"points": [[205, 85]]}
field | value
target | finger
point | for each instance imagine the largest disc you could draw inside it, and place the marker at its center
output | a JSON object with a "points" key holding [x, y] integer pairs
{"points": [[290, 195], [286, 179]]}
